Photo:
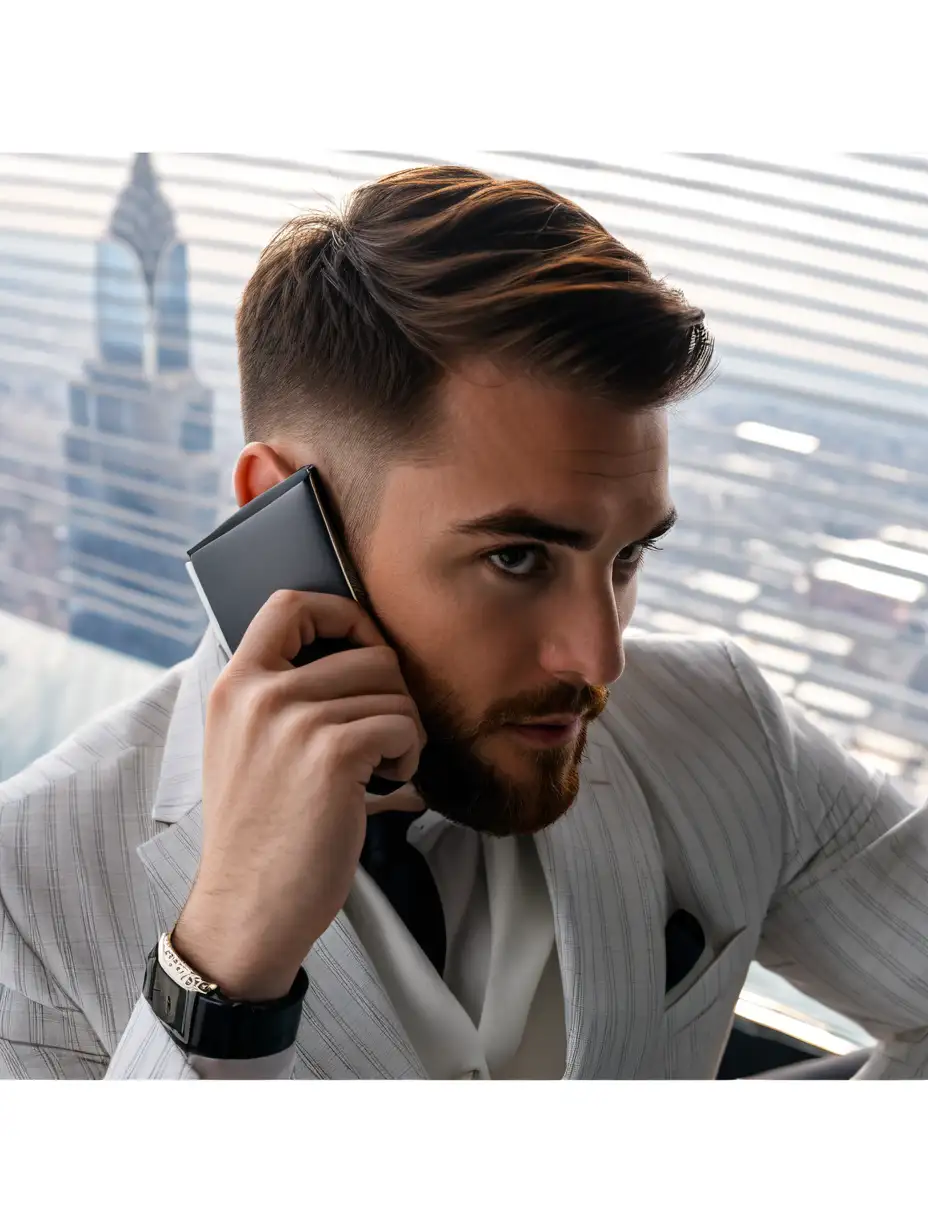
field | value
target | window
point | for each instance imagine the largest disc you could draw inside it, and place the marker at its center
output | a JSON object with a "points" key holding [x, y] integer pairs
{"points": [[80, 416], [799, 475], [196, 436], [111, 415]]}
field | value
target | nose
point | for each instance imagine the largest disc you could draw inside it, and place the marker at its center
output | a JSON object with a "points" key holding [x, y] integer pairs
{"points": [[585, 647]]}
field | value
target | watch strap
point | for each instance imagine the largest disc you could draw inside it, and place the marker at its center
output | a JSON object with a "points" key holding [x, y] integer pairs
{"points": [[204, 1022]]}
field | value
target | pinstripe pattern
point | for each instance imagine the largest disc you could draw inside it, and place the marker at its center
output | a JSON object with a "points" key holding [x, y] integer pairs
{"points": [[700, 790]]}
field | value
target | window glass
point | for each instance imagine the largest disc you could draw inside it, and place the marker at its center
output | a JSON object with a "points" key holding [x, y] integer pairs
{"points": [[799, 473]]}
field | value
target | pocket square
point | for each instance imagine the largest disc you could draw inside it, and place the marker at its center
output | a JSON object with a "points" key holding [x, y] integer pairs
{"points": [[684, 941]]}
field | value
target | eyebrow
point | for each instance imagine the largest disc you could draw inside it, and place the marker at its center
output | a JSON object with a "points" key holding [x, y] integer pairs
{"points": [[515, 520]]}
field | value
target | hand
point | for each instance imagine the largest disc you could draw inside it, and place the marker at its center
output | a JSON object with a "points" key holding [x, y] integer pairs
{"points": [[287, 754]]}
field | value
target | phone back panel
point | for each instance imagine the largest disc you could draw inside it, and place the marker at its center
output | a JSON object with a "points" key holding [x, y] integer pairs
{"points": [[280, 541]]}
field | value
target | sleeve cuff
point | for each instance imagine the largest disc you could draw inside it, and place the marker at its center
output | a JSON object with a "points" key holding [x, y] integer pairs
{"points": [[263, 1069]]}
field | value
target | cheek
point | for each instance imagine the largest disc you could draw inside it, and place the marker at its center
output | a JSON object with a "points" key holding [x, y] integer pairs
{"points": [[625, 599], [418, 607], [455, 635]]}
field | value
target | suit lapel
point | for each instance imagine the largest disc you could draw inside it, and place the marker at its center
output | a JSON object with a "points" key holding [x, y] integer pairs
{"points": [[605, 876], [349, 1028]]}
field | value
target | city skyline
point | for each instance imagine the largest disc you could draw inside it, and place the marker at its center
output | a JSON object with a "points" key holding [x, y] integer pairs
{"points": [[799, 472], [141, 479]]}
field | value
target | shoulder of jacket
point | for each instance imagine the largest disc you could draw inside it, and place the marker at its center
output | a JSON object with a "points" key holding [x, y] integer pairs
{"points": [[706, 661], [699, 685], [132, 731]]}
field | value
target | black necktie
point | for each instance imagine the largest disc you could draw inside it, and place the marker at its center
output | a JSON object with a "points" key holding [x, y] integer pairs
{"points": [[404, 876]]}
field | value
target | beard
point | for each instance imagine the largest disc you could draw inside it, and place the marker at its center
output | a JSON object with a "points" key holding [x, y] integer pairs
{"points": [[454, 779]]}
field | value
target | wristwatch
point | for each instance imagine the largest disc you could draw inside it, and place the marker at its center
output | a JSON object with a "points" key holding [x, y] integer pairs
{"points": [[204, 1022]]}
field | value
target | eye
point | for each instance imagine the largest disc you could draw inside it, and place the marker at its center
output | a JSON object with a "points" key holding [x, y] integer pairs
{"points": [[518, 561], [632, 554]]}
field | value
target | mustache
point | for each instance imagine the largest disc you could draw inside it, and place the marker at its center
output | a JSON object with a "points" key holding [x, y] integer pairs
{"points": [[586, 702]]}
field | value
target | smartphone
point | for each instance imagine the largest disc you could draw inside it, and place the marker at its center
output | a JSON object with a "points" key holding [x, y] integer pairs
{"points": [[284, 539]]}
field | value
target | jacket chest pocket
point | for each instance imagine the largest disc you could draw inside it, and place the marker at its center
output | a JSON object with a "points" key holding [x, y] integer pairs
{"points": [[696, 1024]]}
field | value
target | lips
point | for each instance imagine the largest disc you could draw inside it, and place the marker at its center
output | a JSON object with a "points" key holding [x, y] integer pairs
{"points": [[551, 732]]}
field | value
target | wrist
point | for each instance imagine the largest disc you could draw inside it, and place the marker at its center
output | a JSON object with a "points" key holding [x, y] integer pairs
{"points": [[204, 1022], [225, 958]]}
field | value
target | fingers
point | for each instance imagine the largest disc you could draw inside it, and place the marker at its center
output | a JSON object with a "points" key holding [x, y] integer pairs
{"points": [[366, 743], [341, 710], [349, 673], [369, 679], [405, 800], [356, 700], [291, 619]]}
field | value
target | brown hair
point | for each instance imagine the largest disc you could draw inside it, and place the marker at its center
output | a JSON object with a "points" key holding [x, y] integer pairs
{"points": [[351, 319]]}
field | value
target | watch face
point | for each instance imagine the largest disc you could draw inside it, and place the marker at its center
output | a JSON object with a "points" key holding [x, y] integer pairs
{"points": [[172, 1004]]}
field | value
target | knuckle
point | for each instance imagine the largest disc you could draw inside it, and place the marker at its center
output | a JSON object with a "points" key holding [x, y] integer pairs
{"points": [[305, 724], [382, 655], [278, 685], [224, 689], [384, 658], [405, 706], [407, 709], [321, 714], [286, 600], [334, 745], [263, 701]]}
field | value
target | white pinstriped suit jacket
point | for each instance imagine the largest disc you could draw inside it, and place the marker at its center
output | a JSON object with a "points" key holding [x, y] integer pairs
{"points": [[700, 791]]}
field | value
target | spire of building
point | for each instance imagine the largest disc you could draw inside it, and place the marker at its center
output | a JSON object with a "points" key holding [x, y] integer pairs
{"points": [[143, 219]]}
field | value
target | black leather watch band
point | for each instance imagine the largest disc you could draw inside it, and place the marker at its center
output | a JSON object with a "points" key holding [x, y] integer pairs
{"points": [[208, 1024]]}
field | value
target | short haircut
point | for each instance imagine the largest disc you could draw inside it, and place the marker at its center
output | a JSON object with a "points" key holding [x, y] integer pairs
{"points": [[352, 318]]}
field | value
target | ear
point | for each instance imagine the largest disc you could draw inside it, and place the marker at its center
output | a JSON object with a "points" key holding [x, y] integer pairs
{"points": [[259, 467]]}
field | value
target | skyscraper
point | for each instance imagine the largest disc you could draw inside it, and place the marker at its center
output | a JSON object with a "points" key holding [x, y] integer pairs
{"points": [[799, 474], [142, 480]]}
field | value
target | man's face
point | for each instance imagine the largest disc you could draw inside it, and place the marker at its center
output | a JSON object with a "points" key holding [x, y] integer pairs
{"points": [[505, 574]]}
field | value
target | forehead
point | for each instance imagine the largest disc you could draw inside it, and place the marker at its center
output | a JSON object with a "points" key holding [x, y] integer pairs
{"points": [[518, 439]]}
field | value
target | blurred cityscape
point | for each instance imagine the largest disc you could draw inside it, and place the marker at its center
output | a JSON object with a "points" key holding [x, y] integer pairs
{"points": [[800, 474]]}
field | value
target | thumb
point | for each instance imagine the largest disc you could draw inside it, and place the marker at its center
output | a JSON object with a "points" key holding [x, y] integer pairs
{"points": [[405, 799]]}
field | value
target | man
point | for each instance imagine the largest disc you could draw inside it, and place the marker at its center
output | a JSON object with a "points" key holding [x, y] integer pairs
{"points": [[597, 838]]}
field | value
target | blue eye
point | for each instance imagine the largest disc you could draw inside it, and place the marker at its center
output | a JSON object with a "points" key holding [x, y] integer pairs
{"points": [[518, 561]]}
